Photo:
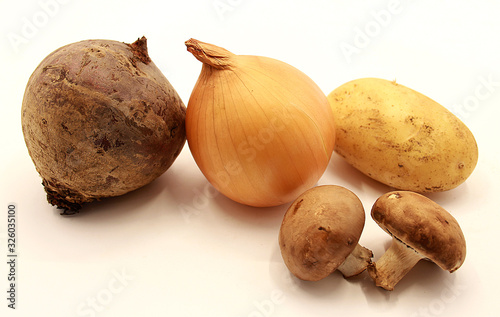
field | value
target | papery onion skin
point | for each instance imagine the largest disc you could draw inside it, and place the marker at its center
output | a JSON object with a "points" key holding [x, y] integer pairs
{"points": [[260, 130]]}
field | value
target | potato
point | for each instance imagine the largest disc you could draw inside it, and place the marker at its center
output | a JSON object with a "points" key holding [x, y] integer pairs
{"points": [[400, 137]]}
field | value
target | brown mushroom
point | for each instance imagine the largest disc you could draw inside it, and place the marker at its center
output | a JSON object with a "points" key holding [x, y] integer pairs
{"points": [[320, 233], [421, 229]]}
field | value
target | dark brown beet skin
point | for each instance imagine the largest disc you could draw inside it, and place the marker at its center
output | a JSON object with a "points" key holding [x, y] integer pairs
{"points": [[100, 120]]}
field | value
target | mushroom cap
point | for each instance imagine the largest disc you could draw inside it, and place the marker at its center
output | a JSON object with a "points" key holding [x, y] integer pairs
{"points": [[423, 225], [319, 230]]}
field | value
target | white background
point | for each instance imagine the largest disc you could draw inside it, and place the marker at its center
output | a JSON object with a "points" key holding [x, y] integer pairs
{"points": [[176, 247]]}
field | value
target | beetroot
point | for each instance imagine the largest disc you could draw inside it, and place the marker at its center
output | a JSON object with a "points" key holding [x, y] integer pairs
{"points": [[100, 120]]}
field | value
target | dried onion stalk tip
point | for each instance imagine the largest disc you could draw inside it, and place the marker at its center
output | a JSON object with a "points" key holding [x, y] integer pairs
{"points": [[100, 120], [320, 233], [420, 229]]}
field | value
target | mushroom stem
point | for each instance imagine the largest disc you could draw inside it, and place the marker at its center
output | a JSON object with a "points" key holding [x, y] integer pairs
{"points": [[393, 265], [356, 262]]}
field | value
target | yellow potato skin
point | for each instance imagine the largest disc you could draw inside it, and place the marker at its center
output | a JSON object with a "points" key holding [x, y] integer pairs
{"points": [[400, 137]]}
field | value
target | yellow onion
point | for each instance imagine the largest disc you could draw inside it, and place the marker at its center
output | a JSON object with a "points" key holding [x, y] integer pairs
{"points": [[259, 129]]}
